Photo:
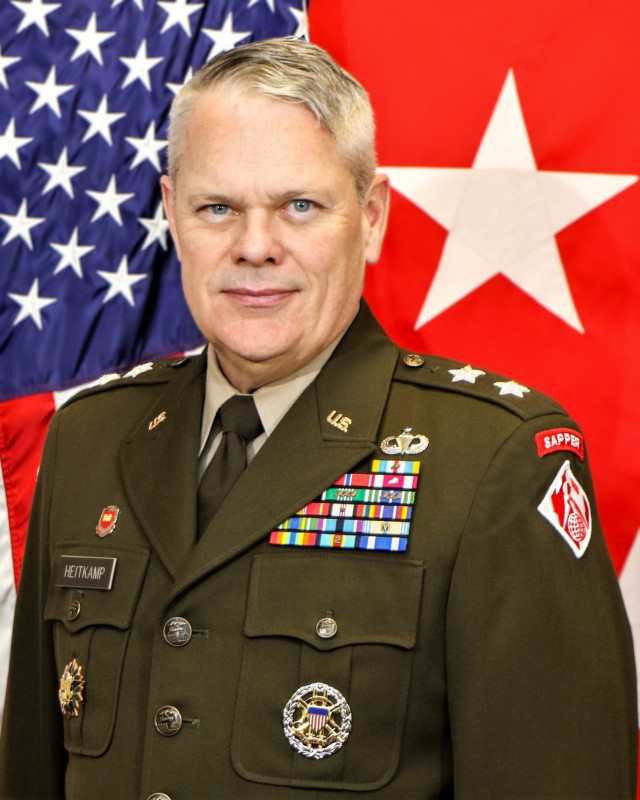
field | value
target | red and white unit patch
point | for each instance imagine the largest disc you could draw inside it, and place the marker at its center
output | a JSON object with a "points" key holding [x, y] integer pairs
{"points": [[107, 522], [556, 439], [566, 507]]}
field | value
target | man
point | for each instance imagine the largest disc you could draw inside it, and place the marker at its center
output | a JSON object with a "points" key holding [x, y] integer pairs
{"points": [[406, 593]]}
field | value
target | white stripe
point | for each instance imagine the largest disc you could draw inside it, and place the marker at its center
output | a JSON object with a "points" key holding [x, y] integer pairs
{"points": [[7, 592]]}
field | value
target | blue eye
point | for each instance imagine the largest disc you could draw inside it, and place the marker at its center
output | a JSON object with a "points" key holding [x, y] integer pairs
{"points": [[219, 209], [302, 205]]}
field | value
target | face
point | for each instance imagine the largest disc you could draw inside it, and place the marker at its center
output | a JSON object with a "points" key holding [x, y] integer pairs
{"points": [[271, 234]]}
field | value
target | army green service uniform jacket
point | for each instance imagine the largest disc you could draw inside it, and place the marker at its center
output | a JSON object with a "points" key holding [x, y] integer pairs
{"points": [[485, 661]]}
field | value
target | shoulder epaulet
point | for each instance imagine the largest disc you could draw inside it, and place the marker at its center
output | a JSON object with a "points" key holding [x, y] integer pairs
{"points": [[453, 376], [152, 372]]}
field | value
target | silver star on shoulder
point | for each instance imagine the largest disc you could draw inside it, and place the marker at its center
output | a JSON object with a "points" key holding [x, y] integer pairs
{"points": [[224, 38], [89, 40], [157, 228], [109, 201], [20, 225], [147, 148], [48, 93], [139, 66], [31, 305], [179, 13], [120, 282], [71, 254], [133, 373], [34, 12], [467, 374], [10, 143], [511, 387], [60, 174], [100, 121]]}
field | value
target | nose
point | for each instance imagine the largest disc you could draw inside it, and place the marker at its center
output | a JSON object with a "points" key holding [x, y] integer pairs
{"points": [[257, 242]]}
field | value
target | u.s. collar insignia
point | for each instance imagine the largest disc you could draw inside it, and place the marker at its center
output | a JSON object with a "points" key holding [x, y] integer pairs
{"points": [[406, 443], [317, 720], [71, 688], [107, 522]]}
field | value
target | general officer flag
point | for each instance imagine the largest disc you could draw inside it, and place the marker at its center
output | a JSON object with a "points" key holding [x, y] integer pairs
{"points": [[511, 133]]}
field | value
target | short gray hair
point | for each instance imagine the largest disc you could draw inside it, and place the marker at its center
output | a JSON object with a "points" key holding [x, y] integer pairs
{"points": [[294, 71]]}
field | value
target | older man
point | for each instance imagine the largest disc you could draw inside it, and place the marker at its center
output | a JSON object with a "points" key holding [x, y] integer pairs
{"points": [[405, 594]]}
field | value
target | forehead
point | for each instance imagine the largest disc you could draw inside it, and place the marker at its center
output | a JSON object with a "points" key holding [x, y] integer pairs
{"points": [[259, 136]]}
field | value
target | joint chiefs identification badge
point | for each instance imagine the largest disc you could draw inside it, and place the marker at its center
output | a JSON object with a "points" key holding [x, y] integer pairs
{"points": [[71, 689], [317, 720]]}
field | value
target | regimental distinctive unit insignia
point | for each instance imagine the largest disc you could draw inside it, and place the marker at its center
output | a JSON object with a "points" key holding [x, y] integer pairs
{"points": [[317, 721], [71, 689], [107, 522], [406, 443], [566, 507]]}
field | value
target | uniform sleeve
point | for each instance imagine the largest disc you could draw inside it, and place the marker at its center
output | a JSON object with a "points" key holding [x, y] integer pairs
{"points": [[32, 757], [540, 671]]}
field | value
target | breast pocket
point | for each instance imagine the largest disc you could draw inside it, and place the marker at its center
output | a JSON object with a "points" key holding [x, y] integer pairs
{"points": [[91, 634], [329, 639]]}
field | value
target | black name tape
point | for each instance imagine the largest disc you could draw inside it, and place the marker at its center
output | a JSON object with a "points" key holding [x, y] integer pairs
{"points": [[85, 572]]}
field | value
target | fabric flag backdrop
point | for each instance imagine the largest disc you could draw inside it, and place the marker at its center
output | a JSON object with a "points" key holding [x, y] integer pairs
{"points": [[89, 283], [511, 132], [512, 136]]}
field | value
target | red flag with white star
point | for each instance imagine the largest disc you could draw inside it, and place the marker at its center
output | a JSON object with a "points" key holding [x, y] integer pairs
{"points": [[511, 133]]}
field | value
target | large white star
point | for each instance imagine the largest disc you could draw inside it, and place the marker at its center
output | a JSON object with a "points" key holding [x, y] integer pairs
{"points": [[89, 39], [48, 93], [100, 121], [31, 304], [6, 61], [60, 174], [120, 282], [179, 13], [10, 143], [71, 254], [502, 215], [224, 38], [630, 587], [20, 225], [109, 201], [147, 148], [139, 66], [157, 228], [35, 13]]}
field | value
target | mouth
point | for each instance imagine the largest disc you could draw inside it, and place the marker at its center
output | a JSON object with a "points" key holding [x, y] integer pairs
{"points": [[259, 298]]}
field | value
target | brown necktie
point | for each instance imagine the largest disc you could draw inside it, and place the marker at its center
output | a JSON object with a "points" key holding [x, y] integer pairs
{"points": [[240, 424]]}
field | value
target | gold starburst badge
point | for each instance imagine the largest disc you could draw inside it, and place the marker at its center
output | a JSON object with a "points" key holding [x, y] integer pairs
{"points": [[71, 688]]}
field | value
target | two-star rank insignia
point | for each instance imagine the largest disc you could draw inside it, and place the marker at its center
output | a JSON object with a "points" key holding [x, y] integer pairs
{"points": [[361, 511]]}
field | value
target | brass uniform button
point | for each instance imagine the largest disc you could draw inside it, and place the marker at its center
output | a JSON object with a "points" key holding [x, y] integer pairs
{"points": [[168, 720], [326, 628], [74, 610], [177, 631], [413, 360]]}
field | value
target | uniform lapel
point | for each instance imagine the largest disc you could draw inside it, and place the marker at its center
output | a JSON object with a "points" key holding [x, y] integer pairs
{"points": [[159, 464], [306, 452]]}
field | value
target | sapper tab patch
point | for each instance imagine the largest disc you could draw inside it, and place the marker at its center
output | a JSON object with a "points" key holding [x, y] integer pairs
{"points": [[557, 439], [362, 511], [566, 507]]}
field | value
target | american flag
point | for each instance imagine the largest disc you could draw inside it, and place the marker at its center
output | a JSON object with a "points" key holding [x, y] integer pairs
{"points": [[89, 282]]}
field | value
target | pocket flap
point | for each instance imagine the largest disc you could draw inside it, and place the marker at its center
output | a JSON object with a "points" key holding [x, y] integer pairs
{"points": [[83, 602], [372, 600]]}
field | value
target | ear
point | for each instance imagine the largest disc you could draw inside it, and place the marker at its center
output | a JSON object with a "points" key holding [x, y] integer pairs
{"points": [[169, 202], [376, 213]]}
